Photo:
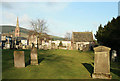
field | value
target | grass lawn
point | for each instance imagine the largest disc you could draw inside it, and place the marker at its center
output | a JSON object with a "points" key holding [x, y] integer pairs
{"points": [[53, 64]]}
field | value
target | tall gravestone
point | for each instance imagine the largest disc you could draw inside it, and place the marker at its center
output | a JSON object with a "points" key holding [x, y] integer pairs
{"points": [[19, 60], [34, 58], [53, 45], [102, 63], [8, 45]]}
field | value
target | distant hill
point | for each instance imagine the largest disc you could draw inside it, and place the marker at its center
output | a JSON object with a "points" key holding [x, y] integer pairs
{"points": [[23, 31], [8, 28], [56, 37]]}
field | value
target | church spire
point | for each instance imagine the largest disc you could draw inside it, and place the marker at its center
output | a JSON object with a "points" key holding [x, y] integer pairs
{"points": [[17, 22], [17, 29]]}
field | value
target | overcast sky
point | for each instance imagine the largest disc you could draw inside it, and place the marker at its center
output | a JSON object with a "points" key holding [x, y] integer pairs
{"points": [[61, 17]]}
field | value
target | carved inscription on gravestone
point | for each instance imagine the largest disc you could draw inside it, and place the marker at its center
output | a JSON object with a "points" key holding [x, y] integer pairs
{"points": [[102, 63], [19, 60]]}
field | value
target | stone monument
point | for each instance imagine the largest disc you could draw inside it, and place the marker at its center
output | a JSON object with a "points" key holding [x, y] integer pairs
{"points": [[19, 60], [8, 44], [114, 55], [34, 58], [52, 45], [101, 63]]}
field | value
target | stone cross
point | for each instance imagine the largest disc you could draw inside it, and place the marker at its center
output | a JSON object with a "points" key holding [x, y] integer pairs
{"points": [[34, 58], [19, 60], [101, 63]]}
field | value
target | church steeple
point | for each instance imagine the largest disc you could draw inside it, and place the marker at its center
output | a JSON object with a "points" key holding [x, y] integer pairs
{"points": [[17, 29], [17, 25]]}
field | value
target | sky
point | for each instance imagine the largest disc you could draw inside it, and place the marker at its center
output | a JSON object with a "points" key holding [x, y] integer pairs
{"points": [[61, 17]]}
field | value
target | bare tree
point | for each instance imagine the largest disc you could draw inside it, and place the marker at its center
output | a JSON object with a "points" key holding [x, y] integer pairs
{"points": [[39, 29], [39, 26], [68, 36]]}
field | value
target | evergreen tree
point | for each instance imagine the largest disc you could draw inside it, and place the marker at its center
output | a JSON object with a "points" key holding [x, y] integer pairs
{"points": [[60, 44], [109, 35]]}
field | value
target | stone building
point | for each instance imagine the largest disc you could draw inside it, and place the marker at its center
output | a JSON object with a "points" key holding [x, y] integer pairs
{"points": [[6, 40], [81, 40]]}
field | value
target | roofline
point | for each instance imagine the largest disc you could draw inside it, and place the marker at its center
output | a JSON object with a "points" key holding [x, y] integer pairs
{"points": [[81, 32]]}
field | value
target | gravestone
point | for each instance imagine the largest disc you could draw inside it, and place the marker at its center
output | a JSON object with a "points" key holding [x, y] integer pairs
{"points": [[53, 45], [86, 47], [101, 63], [40, 46], [8, 46], [114, 55], [19, 60], [81, 46], [45, 47], [34, 58], [23, 47]]}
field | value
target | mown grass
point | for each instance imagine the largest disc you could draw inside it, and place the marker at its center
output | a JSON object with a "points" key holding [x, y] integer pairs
{"points": [[53, 64]]}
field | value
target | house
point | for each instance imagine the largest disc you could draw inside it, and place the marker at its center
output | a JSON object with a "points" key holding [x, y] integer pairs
{"points": [[39, 41], [67, 44], [81, 40], [6, 40], [20, 42]]}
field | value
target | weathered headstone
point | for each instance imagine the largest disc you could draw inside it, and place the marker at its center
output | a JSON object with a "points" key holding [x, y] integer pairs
{"points": [[101, 63], [114, 55], [23, 47], [34, 58], [8, 46], [40, 46], [53, 45], [19, 60], [86, 47], [45, 47], [81, 46]]}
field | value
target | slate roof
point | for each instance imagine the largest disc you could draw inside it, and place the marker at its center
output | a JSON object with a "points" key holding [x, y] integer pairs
{"points": [[82, 37]]}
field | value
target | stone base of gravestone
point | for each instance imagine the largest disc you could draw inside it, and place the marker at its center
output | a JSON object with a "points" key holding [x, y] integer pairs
{"points": [[19, 60], [101, 76], [34, 59]]}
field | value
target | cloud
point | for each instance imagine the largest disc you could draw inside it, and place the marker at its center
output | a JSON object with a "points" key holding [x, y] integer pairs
{"points": [[7, 5], [50, 7], [25, 21], [59, 28], [43, 7], [8, 18], [11, 19], [56, 6]]}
